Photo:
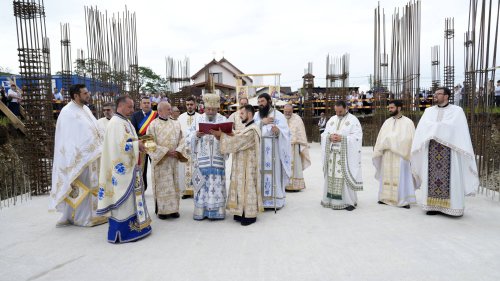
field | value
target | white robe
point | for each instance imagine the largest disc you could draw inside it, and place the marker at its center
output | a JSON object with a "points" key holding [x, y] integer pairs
{"points": [[282, 156], [121, 190], [342, 161], [447, 126], [209, 178], [185, 174], [103, 123], [391, 158], [77, 148]]}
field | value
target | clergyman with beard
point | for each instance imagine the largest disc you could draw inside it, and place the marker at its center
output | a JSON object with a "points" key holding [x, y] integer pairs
{"points": [[275, 177], [244, 199], [77, 149], [391, 157], [209, 164]]}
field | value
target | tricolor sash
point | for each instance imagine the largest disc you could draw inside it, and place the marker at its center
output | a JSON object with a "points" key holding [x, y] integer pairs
{"points": [[146, 121]]}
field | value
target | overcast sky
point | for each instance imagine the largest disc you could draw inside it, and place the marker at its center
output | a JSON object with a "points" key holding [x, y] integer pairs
{"points": [[256, 36]]}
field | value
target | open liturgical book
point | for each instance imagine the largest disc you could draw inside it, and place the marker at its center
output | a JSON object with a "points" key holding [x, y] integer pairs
{"points": [[226, 127]]}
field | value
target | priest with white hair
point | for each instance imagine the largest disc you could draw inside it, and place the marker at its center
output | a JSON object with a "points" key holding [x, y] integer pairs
{"points": [[209, 164]]}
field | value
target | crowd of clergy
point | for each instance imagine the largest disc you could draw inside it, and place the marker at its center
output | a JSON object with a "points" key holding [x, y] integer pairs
{"points": [[100, 166]]}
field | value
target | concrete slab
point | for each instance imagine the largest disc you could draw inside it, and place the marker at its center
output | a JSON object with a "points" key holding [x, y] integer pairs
{"points": [[303, 241]]}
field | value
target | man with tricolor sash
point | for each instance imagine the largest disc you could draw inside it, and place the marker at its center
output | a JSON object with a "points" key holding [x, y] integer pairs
{"points": [[141, 120]]}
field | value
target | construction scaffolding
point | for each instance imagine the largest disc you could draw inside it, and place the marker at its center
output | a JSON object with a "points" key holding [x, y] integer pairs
{"points": [[34, 68]]}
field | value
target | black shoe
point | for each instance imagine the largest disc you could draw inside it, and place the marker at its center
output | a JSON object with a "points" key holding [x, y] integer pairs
{"points": [[432, 213], [406, 207], [350, 208], [186, 196], [248, 221], [163, 217], [174, 215], [237, 218], [382, 203]]}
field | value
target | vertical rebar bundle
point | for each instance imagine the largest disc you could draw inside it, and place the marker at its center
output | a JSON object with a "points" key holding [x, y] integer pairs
{"points": [[112, 52], [435, 69], [337, 71], [481, 46], [80, 69], [307, 96], [405, 52], [381, 58], [66, 68], [404, 80], [449, 54], [177, 74], [34, 68], [337, 81]]}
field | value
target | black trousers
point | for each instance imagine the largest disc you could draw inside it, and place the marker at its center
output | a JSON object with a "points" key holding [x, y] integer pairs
{"points": [[145, 173]]}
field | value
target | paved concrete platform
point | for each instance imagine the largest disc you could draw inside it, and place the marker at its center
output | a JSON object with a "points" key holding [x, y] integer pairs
{"points": [[303, 241]]}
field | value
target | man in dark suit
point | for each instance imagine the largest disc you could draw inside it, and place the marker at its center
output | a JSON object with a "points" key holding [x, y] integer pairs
{"points": [[141, 120]]}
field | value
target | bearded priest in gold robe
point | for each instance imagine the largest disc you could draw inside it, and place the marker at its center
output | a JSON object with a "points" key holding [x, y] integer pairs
{"points": [[391, 158], [300, 149], [121, 189], [167, 135], [244, 197]]}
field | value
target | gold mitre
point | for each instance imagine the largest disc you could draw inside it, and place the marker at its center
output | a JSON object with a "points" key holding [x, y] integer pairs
{"points": [[211, 100]]}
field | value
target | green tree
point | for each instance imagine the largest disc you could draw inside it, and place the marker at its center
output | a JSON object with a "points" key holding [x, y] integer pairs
{"points": [[151, 82]]}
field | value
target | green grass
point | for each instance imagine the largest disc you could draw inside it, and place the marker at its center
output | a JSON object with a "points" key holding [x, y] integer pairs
{"points": [[4, 121]]}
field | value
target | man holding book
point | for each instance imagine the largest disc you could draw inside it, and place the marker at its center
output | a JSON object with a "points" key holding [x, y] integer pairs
{"points": [[209, 164]]}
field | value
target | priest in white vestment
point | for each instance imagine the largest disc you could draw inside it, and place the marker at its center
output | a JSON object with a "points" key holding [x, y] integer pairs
{"points": [[300, 149], [185, 169], [274, 129], [244, 197], [167, 134], [77, 148], [209, 164], [442, 158], [341, 144], [121, 189], [391, 158], [108, 111], [235, 116]]}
